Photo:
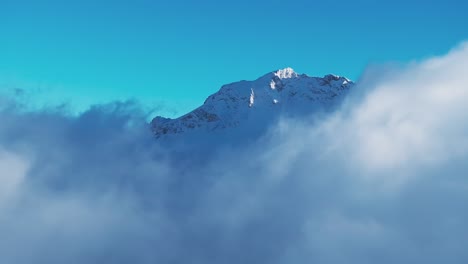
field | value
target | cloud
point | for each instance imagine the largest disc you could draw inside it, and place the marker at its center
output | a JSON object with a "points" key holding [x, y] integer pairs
{"points": [[416, 115], [380, 180], [12, 172]]}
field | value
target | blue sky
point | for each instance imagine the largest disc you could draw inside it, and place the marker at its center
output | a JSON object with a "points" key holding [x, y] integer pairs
{"points": [[175, 53]]}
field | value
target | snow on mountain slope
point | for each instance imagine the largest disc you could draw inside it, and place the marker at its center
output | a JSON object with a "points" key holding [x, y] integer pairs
{"points": [[257, 102]]}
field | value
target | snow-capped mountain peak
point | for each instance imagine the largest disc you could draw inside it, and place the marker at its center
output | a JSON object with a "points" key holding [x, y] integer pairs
{"points": [[247, 103], [285, 73]]}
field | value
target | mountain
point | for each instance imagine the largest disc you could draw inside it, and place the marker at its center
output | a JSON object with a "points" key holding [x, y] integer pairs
{"points": [[250, 105]]}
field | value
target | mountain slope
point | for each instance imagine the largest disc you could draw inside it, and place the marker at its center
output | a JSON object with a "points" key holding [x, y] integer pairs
{"points": [[258, 102]]}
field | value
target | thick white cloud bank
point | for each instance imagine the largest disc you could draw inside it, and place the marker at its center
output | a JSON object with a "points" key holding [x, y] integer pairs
{"points": [[381, 180]]}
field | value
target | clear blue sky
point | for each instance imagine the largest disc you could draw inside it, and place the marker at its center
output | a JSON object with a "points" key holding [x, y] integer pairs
{"points": [[178, 52]]}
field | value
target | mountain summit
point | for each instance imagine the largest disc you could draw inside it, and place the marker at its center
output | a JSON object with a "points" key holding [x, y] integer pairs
{"points": [[286, 73], [253, 103]]}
